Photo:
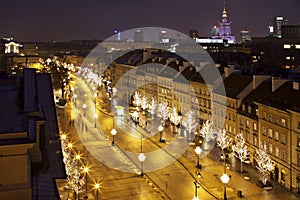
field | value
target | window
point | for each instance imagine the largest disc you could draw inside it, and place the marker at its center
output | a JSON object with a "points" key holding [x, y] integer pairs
{"points": [[241, 121], [264, 115], [282, 136], [270, 148], [298, 159], [254, 126], [270, 133], [247, 123], [270, 117], [276, 135], [276, 151], [282, 154], [298, 126], [249, 109], [264, 131], [283, 122], [247, 136], [298, 142], [226, 127], [229, 128], [264, 147], [276, 120], [255, 140], [282, 176]]}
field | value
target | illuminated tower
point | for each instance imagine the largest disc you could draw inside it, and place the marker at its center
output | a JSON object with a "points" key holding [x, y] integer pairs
{"points": [[223, 29]]}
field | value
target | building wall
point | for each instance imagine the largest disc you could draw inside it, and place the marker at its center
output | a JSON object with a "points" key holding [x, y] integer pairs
{"points": [[15, 172], [275, 137]]}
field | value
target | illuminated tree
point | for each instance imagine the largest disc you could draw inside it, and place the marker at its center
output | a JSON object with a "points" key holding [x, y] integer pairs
{"points": [[264, 164], [60, 73], [207, 131], [137, 99], [241, 149], [174, 117], [163, 111], [190, 123], [152, 108]]}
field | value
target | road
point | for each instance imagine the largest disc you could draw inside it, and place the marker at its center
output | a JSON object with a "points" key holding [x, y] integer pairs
{"points": [[174, 180]]}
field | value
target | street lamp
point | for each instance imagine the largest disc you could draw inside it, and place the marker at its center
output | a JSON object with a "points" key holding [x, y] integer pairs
{"points": [[198, 151], [142, 158], [197, 185], [225, 179], [85, 171], [84, 106], [160, 129], [113, 132], [95, 117], [97, 188]]}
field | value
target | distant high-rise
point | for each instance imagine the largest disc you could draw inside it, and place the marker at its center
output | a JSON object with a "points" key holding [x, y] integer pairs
{"points": [[164, 37], [193, 34], [245, 36], [138, 35], [275, 24], [223, 29]]}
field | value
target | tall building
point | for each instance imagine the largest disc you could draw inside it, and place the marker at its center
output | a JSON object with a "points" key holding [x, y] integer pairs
{"points": [[275, 24], [138, 35], [223, 29], [193, 34], [245, 36]]}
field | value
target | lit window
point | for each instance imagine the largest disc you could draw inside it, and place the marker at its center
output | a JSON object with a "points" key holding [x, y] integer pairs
{"points": [[276, 135], [254, 126], [270, 148], [297, 46], [247, 123], [287, 46], [283, 122], [276, 151], [270, 133], [287, 57]]}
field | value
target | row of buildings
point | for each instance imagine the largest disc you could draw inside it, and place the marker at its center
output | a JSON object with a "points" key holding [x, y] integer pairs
{"points": [[262, 107]]}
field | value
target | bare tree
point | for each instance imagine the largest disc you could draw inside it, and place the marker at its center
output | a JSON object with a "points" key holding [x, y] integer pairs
{"points": [[264, 164], [241, 149]]}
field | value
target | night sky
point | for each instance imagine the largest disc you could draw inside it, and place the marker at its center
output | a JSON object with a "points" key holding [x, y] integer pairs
{"points": [[61, 20]]}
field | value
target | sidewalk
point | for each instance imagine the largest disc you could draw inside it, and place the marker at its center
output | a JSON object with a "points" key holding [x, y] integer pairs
{"points": [[212, 170]]}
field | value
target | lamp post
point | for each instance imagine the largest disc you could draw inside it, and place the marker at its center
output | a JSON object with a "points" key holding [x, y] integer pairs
{"points": [[142, 158], [160, 129], [86, 170], [113, 132], [95, 117], [197, 185], [84, 106], [225, 179], [198, 151], [97, 188]]}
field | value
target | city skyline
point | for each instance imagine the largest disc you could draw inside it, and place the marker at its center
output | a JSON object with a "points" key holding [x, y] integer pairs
{"points": [[61, 21]]}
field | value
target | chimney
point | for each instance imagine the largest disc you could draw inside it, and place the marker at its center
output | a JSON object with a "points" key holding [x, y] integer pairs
{"points": [[257, 80], [276, 83]]}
